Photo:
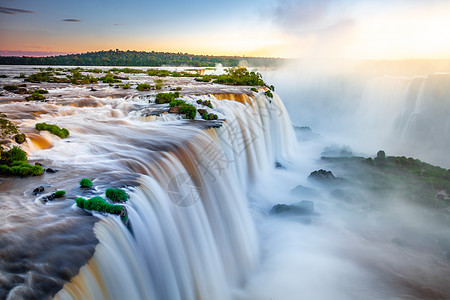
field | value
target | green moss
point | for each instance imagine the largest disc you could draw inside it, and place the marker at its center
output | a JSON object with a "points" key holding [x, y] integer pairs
{"points": [[254, 89], [117, 195], [20, 138], [15, 154], [178, 88], [85, 182], [188, 110], [53, 129], [143, 87], [60, 194], [205, 102], [7, 127], [80, 202], [177, 102], [240, 76], [158, 86], [41, 91], [99, 204], [35, 96], [166, 97], [209, 116], [268, 94]]}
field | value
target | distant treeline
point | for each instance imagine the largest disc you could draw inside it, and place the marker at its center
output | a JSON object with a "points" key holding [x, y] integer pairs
{"points": [[139, 59]]}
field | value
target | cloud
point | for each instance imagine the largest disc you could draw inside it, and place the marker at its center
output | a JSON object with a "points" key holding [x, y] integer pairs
{"points": [[14, 11], [71, 20]]}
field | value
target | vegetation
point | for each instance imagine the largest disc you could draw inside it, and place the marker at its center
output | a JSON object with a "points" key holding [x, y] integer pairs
{"points": [[44, 77], [240, 76], [35, 96], [7, 127], [16, 89], [209, 116], [41, 91], [408, 177], [166, 97], [143, 87], [117, 195], [189, 110], [138, 58], [268, 94], [206, 78], [176, 102], [205, 102], [178, 88], [99, 204], [14, 163], [59, 194], [254, 89], [85, 182], [20, 138], [3, 76], [61, 132]]}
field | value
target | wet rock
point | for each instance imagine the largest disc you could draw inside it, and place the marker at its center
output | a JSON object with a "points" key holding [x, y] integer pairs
{"points": [[202, 111], [50, 170], [38, 164], [304, 191], [302, 208], [93, 89], [38, 190], [174, 110], [278, 165], [322, 176]]}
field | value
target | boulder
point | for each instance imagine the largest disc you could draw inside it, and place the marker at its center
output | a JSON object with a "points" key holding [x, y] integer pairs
{"points": [[304, 191], [174, 110], [322, 176], [302, 208], [50, 170], [38, 190]]}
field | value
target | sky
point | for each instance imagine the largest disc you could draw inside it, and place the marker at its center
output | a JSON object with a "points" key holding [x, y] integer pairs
{"points": [[350, 29]]}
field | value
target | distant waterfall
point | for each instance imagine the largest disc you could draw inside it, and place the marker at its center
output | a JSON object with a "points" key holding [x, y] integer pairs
{"points": [[192, 236]]}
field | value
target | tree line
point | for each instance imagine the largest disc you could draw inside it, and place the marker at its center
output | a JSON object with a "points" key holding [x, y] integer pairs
{"points": [[138, 58]]}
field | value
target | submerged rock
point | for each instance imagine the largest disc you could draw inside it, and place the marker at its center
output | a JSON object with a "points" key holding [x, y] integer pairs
{"points": [[322, 176], [304, 191], [302, 208], [50, 170], [38, 190]]}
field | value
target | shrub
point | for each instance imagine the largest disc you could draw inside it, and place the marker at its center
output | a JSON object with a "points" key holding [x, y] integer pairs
{"points": [[20, 138], [166, 97], [206, 103], [60, 194], [85, 182], [176, 102], [126, 86], [178, 88], [209, 116], [7, 127], [3, 76], [15, 154], [21, 169], [254, 89], [11, 88], [41, 91], [189, 110], [143, 87], [53, 129], [117, 195], [35, 96], [269, 94], [80, 202], [240, 76], [158, 86]]}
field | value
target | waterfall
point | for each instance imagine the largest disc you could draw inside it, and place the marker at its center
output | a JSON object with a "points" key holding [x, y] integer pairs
{"points": [[191, 232]]}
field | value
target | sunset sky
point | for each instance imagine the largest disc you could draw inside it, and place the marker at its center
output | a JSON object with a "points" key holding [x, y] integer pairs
{"points": [[396, 29]]}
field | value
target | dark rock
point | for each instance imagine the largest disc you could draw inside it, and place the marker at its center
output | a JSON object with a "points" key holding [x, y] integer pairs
{"points": [[174, 110], [202, 111], [304, 191], [51, 197], [50, 170], [279, 165], [322, 176], [38, 190], [93, 90], [302, 208], [38, 164]]}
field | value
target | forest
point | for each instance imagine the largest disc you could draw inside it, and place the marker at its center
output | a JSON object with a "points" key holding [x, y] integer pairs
{"points": [[139, 58]]}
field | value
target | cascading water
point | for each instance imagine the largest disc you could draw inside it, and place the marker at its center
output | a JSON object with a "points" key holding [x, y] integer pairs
{"points": [[195, 242]]}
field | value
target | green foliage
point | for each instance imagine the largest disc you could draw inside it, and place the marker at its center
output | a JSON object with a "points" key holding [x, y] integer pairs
{"points": [[99, 204], [11, 88], [3, 76], [158, 81], [166, 97], [54, 129], [189, 110], [143, 87], [205, 78], [209, 116], [240, 76], [41, 91], [35, 96], [272, 88], [76, 77], [206, 103], [254, 89], [15, 154], [109, 78], [158, 86], [20, 138], [43, 77], [117, 195], [126, 86], [85, 182], [80, 202], [178, 88], [20, 76], [7, 127], [137, 58], [268, 94], [176, 102], [60, 194]]}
